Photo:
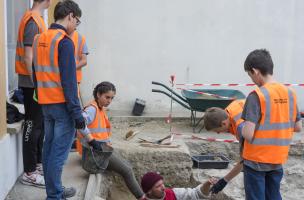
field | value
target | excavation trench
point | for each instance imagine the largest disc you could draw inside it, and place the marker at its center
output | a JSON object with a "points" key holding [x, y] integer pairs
{"points": [[176, 166]]}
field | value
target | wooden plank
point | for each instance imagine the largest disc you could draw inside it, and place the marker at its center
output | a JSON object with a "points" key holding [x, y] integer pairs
{"points": [[2, 72]]}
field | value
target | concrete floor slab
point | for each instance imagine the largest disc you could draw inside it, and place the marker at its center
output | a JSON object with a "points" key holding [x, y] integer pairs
{"points": [[73, 175]]}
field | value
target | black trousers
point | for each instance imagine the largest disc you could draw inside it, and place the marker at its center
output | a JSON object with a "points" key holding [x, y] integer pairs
{"points": [[33, 132]]}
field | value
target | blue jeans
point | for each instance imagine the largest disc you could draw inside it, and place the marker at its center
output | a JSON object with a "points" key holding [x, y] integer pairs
{"points": [[261, 185], [59, 134]]}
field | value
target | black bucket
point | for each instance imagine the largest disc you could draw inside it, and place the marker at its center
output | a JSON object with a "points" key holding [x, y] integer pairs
{"points": [[138, 107], [95, 161]]}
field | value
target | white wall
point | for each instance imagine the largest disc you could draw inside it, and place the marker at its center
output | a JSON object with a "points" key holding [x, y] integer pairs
{"points": [[11, 162], [15, 10], [134, 42]]}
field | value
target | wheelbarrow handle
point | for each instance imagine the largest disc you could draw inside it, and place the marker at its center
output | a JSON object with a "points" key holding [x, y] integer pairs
{"points": [[177, 95], [178, 101]]}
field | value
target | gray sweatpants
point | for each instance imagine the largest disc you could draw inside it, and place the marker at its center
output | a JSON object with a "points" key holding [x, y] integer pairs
{"points": [[119, 165]]}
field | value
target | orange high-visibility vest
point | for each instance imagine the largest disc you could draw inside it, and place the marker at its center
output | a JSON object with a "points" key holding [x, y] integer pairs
{"points": [[273, 134], [45, 58], [100, 128], [234, 110], [79, 42], [20, 66]]}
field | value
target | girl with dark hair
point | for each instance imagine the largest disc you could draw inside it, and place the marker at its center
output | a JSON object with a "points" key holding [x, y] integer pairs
{"points": [[98, 131]]}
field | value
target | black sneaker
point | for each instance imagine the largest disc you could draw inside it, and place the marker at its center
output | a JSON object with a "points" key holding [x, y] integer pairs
{"points": [[68, 192]]}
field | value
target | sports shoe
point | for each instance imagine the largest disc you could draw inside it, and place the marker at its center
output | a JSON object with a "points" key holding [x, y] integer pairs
{"points": [[68, 192], [39, 169], [33, 179]]}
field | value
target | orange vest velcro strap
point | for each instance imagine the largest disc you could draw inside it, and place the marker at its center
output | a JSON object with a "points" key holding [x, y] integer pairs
{"points": [[20, 66], [100, 127], [274, 132], [47, 73]]}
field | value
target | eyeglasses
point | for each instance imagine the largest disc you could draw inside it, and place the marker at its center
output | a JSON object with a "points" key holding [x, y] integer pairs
{"points": [[77, 21]]}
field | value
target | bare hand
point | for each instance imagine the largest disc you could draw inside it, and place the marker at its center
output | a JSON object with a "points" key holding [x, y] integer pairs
{"points": [[213, 180]]}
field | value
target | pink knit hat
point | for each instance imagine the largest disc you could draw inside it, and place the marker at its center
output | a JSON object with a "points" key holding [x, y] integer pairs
{"points": [[149, 179]]}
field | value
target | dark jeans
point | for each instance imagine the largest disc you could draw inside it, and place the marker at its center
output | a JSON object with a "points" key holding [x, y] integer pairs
{"points": [[33, 133], [59, 135], [119, 165], [261, 185]]}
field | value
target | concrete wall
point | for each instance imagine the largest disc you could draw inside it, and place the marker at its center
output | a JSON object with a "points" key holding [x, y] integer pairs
{"points": [[11, 162], [134, 42]]}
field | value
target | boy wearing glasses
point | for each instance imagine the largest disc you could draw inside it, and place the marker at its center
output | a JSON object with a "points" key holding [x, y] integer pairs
{"points": [[56, 89]]}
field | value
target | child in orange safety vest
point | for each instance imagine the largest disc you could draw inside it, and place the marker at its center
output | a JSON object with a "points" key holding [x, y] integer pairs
{"points": [[226, 120], [99, 130], [270, 118]]}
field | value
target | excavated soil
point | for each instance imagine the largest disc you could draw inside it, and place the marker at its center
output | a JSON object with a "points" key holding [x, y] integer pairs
{"points": [[175, 164]]}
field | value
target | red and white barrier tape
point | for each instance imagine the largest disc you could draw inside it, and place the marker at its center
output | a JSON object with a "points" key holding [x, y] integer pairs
{"points": [[207, 94], [230, 84], [211, 139]]}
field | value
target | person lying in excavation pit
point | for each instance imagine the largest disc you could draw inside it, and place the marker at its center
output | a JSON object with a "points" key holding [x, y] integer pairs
{"points": [[154, 188], [97, 135]]}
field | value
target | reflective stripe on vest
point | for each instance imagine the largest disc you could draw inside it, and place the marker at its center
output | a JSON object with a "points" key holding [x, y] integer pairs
{"points": [[98, 127], [48, 84], [20, 66], [47, 73], [274, 132], [271, 141]]}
